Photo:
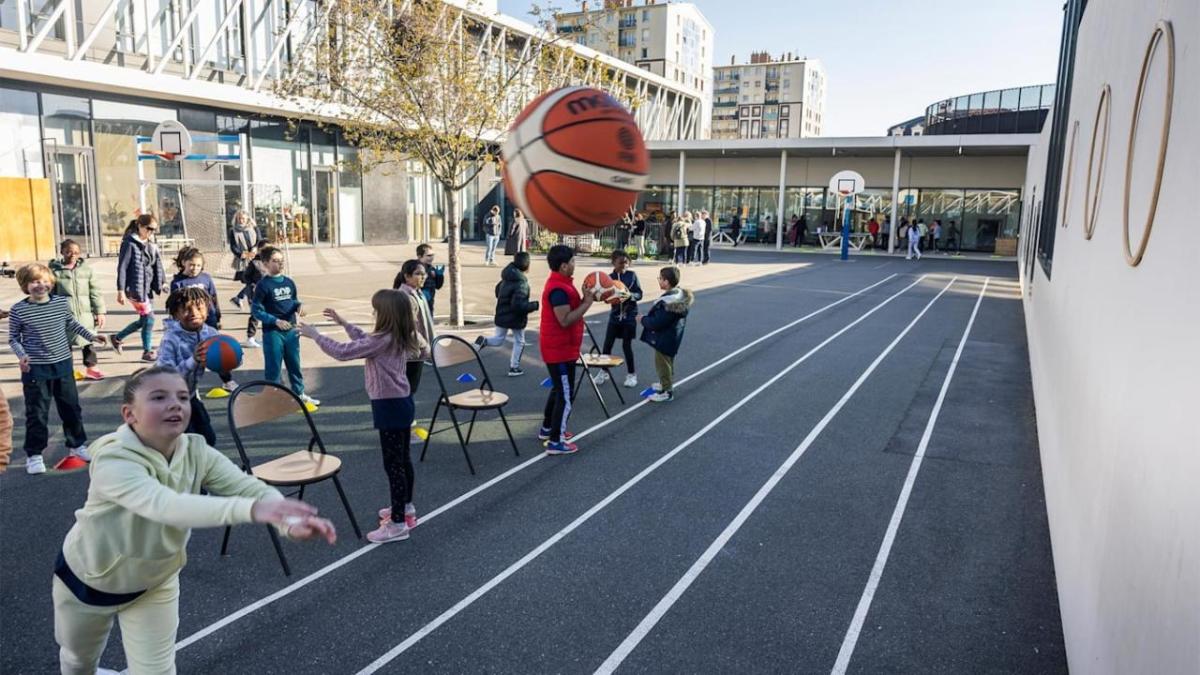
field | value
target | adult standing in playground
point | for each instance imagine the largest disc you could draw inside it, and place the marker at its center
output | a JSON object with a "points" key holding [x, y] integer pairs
{"points": [[518, 234], [639, 234], [492, 224], [735, 228]]}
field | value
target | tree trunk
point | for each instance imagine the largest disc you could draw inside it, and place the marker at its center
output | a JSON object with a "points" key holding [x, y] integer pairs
{"points": [[454, 266]]}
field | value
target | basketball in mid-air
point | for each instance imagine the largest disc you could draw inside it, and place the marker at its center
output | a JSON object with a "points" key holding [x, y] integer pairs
{"points": [[221, 353], [575, 160]]}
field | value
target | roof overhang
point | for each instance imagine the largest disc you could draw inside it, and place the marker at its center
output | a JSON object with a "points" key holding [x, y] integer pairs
{"points": [[851, 146]]}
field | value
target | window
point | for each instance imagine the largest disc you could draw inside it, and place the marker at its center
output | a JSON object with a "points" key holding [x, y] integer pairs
{"points": [[787, 84], [783, 129], [745, 111], [643, 52], [784, 110], [645, 15], [757, 111], [645, 35], [745, 98]]}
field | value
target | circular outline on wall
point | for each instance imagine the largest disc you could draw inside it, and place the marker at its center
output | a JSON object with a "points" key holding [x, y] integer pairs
{"points": [[1066, 199], [1162, 31], [1091, 204]]}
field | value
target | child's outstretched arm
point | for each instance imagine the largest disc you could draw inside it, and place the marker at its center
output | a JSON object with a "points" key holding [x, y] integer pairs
{"points": [[358, 348], [635, 289], [293, 518]]}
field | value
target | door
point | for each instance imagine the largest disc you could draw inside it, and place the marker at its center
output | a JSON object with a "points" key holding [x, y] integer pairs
{"points": [[324, 205], [73, 190]]}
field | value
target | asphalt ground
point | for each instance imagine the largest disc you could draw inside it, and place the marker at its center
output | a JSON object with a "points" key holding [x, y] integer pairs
{"points": [[550, 563]]}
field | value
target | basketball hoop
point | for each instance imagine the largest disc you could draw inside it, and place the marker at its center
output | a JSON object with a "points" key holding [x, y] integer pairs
{"points": [[170, 140]]}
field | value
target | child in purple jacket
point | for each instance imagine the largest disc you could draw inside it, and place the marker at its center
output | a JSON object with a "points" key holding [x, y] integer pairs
{"points": [[394, 341]]}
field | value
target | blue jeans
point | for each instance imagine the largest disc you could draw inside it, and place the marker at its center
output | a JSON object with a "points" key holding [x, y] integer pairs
{"points": [[283, 347], [489, 255], [146, 325]]}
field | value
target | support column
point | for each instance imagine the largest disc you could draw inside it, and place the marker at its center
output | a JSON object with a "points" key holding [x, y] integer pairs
{"points": [[779, 221], [679, 200], [895, 203]]}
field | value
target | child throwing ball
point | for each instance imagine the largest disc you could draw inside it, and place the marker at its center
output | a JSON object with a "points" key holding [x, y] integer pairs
{"points": [[121, 559]]}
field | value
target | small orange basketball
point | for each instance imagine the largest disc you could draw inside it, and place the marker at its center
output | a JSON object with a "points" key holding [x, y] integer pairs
{"points": [[575, 160], [599, 285]]}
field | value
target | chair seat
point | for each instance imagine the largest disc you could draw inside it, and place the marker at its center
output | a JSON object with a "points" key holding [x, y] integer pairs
{"points": [[298, 468], [602, 360], [479, 399]]}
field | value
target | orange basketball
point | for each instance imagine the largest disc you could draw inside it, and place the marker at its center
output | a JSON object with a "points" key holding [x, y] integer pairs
{"points": [[600, 285], [575, 160]]}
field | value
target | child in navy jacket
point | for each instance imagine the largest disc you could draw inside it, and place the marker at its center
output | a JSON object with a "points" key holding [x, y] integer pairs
{"points": [[662, 328], [622, 318]]}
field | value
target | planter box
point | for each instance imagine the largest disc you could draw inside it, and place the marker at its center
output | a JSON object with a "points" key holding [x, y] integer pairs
{"points": [[1006, 246]]}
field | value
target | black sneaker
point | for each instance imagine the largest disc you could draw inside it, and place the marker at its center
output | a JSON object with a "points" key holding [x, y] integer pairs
{"points": [[480, 342], [115, 342], [515, 372], [237, 301]]}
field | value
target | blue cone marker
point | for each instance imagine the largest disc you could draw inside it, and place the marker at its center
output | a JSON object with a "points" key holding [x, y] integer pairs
{"points": [[648, 391], [466, 377], [547, 383]]}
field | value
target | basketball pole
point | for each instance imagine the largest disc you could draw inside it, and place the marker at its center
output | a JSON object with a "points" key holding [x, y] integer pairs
{"points": [[846, 207]]}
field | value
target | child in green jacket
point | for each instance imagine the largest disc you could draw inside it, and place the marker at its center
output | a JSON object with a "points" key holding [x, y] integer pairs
{"points": [[74, 281], [122, 557]]}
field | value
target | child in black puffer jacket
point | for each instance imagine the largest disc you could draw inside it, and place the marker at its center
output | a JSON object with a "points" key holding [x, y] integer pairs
{"points": [[513, 308], [662, 328]]}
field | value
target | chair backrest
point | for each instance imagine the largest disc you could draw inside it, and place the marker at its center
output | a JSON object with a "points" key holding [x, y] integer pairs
{"points": [[449, 351], [260, 401], [595, 345]]}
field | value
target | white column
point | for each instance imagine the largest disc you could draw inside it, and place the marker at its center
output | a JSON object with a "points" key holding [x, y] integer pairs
{"points": [[895, 202], [779, 210], [679, 200]]}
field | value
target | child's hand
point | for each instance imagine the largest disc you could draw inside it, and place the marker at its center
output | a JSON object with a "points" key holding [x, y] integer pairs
{"points": [[283, 325], [301, 312], [3, 313], [120, 297], [101, 339], [24, 363], [303, 529], [333, 316], [309, 331], [201, 356], [276, 511], [99, 321]]}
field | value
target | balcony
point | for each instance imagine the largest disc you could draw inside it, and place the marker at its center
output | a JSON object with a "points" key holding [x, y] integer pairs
{"points": [[570, 28], [726, 90], [724, 104], [628, 22]]}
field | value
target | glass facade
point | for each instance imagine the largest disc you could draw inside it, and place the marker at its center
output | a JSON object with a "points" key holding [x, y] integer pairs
{"points": [[1006, 111], [303, 183], [974, 218]]}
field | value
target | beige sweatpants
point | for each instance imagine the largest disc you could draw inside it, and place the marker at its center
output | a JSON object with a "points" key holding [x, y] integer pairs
{"points": [[665, 367], [148, 628]]}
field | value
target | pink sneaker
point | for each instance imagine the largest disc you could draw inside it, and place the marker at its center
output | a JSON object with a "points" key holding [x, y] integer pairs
{"points": [[410, 515], [93, 374], [388, 531]]}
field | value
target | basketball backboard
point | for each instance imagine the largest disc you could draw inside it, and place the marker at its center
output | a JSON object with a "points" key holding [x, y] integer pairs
{"points": [[846, 183]]}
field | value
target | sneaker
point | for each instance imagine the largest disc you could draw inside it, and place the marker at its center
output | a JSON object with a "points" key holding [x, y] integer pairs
{"points": [[35, 464], [544, 434], [116, 344], [410, 516], [237, 301], [230, 386], [150, 356], [81, 452], [657, 386], [631, 380], [480, 342], [251, 343], [561, 448], [388, 531], [662, 396], [309, 400], [515, 372], [78, 374], [600, 377], [93, 374]]}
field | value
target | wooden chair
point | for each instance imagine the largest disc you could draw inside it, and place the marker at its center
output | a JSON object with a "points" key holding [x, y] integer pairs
{"points": [[449, 351], [298, 469], [593, 358]]}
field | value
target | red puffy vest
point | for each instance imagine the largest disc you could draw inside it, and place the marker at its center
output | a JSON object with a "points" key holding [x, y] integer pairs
{"points": [[558, 344]]}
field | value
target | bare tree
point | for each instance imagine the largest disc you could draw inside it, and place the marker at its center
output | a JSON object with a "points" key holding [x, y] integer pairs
{"points": [[431, 80]]}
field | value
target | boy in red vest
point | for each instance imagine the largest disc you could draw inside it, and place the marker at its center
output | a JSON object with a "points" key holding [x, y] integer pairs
{"points": [[561, 334]]}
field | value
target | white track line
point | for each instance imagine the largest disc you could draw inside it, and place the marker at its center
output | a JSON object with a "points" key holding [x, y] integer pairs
{"points": [[301, 583], [885, 549], [664, 605], [612, 496]]}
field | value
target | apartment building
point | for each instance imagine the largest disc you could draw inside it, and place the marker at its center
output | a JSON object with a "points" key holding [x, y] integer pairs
{"points": [[670, 39], [769, 98]]}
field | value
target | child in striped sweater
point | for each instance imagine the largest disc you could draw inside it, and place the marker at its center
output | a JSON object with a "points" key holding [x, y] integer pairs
{"points": [[40, 329]]}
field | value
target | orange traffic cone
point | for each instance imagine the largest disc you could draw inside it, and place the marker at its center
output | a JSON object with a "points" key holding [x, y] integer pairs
{"points": [[70, 463]]}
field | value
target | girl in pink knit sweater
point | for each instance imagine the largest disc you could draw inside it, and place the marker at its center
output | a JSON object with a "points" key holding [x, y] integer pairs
{"points": [[393, 342]]}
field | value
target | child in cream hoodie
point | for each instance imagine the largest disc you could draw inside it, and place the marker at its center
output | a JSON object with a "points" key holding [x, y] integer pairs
{"points": [[122, 557]]}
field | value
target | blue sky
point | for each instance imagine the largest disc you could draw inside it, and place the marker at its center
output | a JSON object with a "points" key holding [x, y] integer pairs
{"points": [[887, 60]]}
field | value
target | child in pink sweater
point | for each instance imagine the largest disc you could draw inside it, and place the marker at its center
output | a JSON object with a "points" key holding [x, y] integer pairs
{"points": [[393, 342]]}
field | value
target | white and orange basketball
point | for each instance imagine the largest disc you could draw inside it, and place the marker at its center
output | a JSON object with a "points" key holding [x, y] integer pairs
{"points": [[574, 160], [601, 286]]}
